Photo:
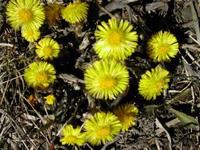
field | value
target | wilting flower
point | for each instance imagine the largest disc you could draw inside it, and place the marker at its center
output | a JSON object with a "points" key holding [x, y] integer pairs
{"points": [[50, 99], [52, 13], [127, 115], [28, 13], [163, 46], [30, 34], [153, 83], [106, 79], [75, 12], [39, 74], [101, 128], [72, 136], [115, 39], [47, 48]]}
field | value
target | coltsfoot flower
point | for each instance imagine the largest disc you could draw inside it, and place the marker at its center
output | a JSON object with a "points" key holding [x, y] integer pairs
{"points": [[115, 39], [75, 12], [127, 114], [30, 34], [52, 13], [25, 13], [72, 136], [47, 48], [153, 83], [101, 128], [39, 74], [50, 99], [106, 79], [162, 46]]}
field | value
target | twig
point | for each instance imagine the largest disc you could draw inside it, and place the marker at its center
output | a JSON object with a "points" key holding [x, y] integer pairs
{"points": [[197, 42], [11, 79], [6, 45], [196, 22], [106, 11], [158, 124], [191, 47], [157, 144], [70, 78], [15, 126], [108, 143]]}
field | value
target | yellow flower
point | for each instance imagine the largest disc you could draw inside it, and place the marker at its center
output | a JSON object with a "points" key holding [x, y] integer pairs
{"points": [[75, 12], [39, 74], [106, 79], [72, 136], [30, 34], [163, 46], [52, 13], [115, 39], [25, 13], [47, 48], [127, 115], [101, 128], [50, 99], [153, 83]]}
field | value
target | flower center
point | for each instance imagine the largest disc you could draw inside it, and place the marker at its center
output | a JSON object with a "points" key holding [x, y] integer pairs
{"points": [[71, 139], [163, 49], [107, 83], [48, 51], [29, 31], [25, 15], [126, 118], [104, 131], [114, 38], [42, 77], [159, 85]]}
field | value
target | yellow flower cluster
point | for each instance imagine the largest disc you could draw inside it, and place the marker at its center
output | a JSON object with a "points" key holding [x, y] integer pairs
{"points": [[47, 48], [50, 99], [101, 127], [72, 136], [28, 15], [153, 83], [127, 114], [39, 74], [162, 46], [75, 12], [115, 39], [106, 79]]}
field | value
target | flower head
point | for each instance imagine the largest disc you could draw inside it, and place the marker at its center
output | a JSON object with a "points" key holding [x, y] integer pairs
{"points": [[39, 74], [47, 48], [50, 99], [25, 13], [75, 12], [115, 39], [127, 115], [30, 34], [72, 136], [153, 83], [52, 13], [106, 79], [163, 46], [101, 128]]}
